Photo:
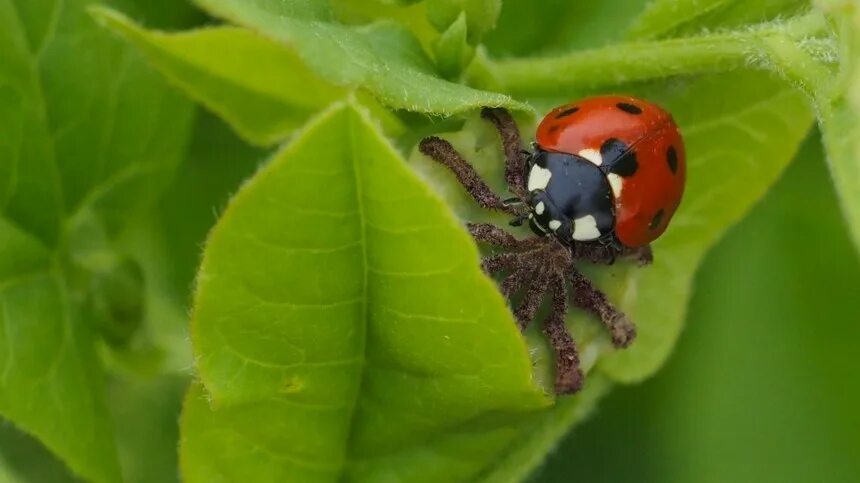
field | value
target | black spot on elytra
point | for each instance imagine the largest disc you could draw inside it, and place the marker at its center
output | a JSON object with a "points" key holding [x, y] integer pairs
{"points": [[672, 159], [629, 108], [618, 158], [566, 112], [655, 222]]}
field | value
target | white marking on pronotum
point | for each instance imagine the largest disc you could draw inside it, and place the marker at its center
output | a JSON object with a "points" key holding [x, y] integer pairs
{"points": [[592, 155], [585, 228], [554, 225], [615, 182], [540, 207], [539, 178]]}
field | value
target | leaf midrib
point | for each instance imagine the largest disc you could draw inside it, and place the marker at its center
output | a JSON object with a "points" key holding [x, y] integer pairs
{"points": [[362, 359]]}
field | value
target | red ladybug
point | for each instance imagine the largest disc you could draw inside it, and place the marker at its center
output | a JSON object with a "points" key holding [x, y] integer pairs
{"points": [[608, 168], [604, 179]]}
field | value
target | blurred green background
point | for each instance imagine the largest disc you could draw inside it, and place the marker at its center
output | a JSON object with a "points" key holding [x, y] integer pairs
{"points": [[764, 384]]}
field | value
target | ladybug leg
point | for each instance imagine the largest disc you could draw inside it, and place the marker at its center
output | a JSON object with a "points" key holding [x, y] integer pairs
{"points": [[493, 235], [516, 158], [532, 299], [515, 282], [500, 262], [445, 154], [568, 375], [641, 255], [589, 298], [597, 253], [507, 261]]}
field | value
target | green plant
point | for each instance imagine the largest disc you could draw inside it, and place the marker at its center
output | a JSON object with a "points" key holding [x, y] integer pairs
{"points": [[341, 327]]}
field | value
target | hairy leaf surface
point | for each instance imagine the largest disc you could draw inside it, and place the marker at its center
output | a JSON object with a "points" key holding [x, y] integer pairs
{"points": [[339, 302]]}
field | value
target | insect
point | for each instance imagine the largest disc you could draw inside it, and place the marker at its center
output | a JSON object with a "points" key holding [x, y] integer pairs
{"points": [[602, 181]]}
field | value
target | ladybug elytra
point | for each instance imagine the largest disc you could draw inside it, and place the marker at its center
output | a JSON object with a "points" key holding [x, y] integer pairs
{"points": [[609, 168]]}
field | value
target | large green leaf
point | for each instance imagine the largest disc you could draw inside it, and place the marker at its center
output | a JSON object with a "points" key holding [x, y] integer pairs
{"points": [[90, 136], [384, 59], [117, 132], [65, 90], [263, 89], [340, 303]]}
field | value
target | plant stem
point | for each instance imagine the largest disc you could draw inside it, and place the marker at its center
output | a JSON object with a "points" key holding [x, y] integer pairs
{"points": [[770, 46]]}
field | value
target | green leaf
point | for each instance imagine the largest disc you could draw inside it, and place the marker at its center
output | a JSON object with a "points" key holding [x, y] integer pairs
{"points": [[480, 15], [90, 138], [118, 133], [341, 303], [453, 51], [263, 89], [71, 148], [384, 59], [840, 115], [50, 381]]}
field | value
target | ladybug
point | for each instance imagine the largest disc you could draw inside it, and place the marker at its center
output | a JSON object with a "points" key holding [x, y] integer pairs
{"points": [[607, 168], [604, 178]]}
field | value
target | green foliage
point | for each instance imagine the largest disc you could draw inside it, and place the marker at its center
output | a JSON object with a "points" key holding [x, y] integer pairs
{"points": [[480, 15], [341, 328], [262, 89], [384, 59], [404, 357], [90, 136]]}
